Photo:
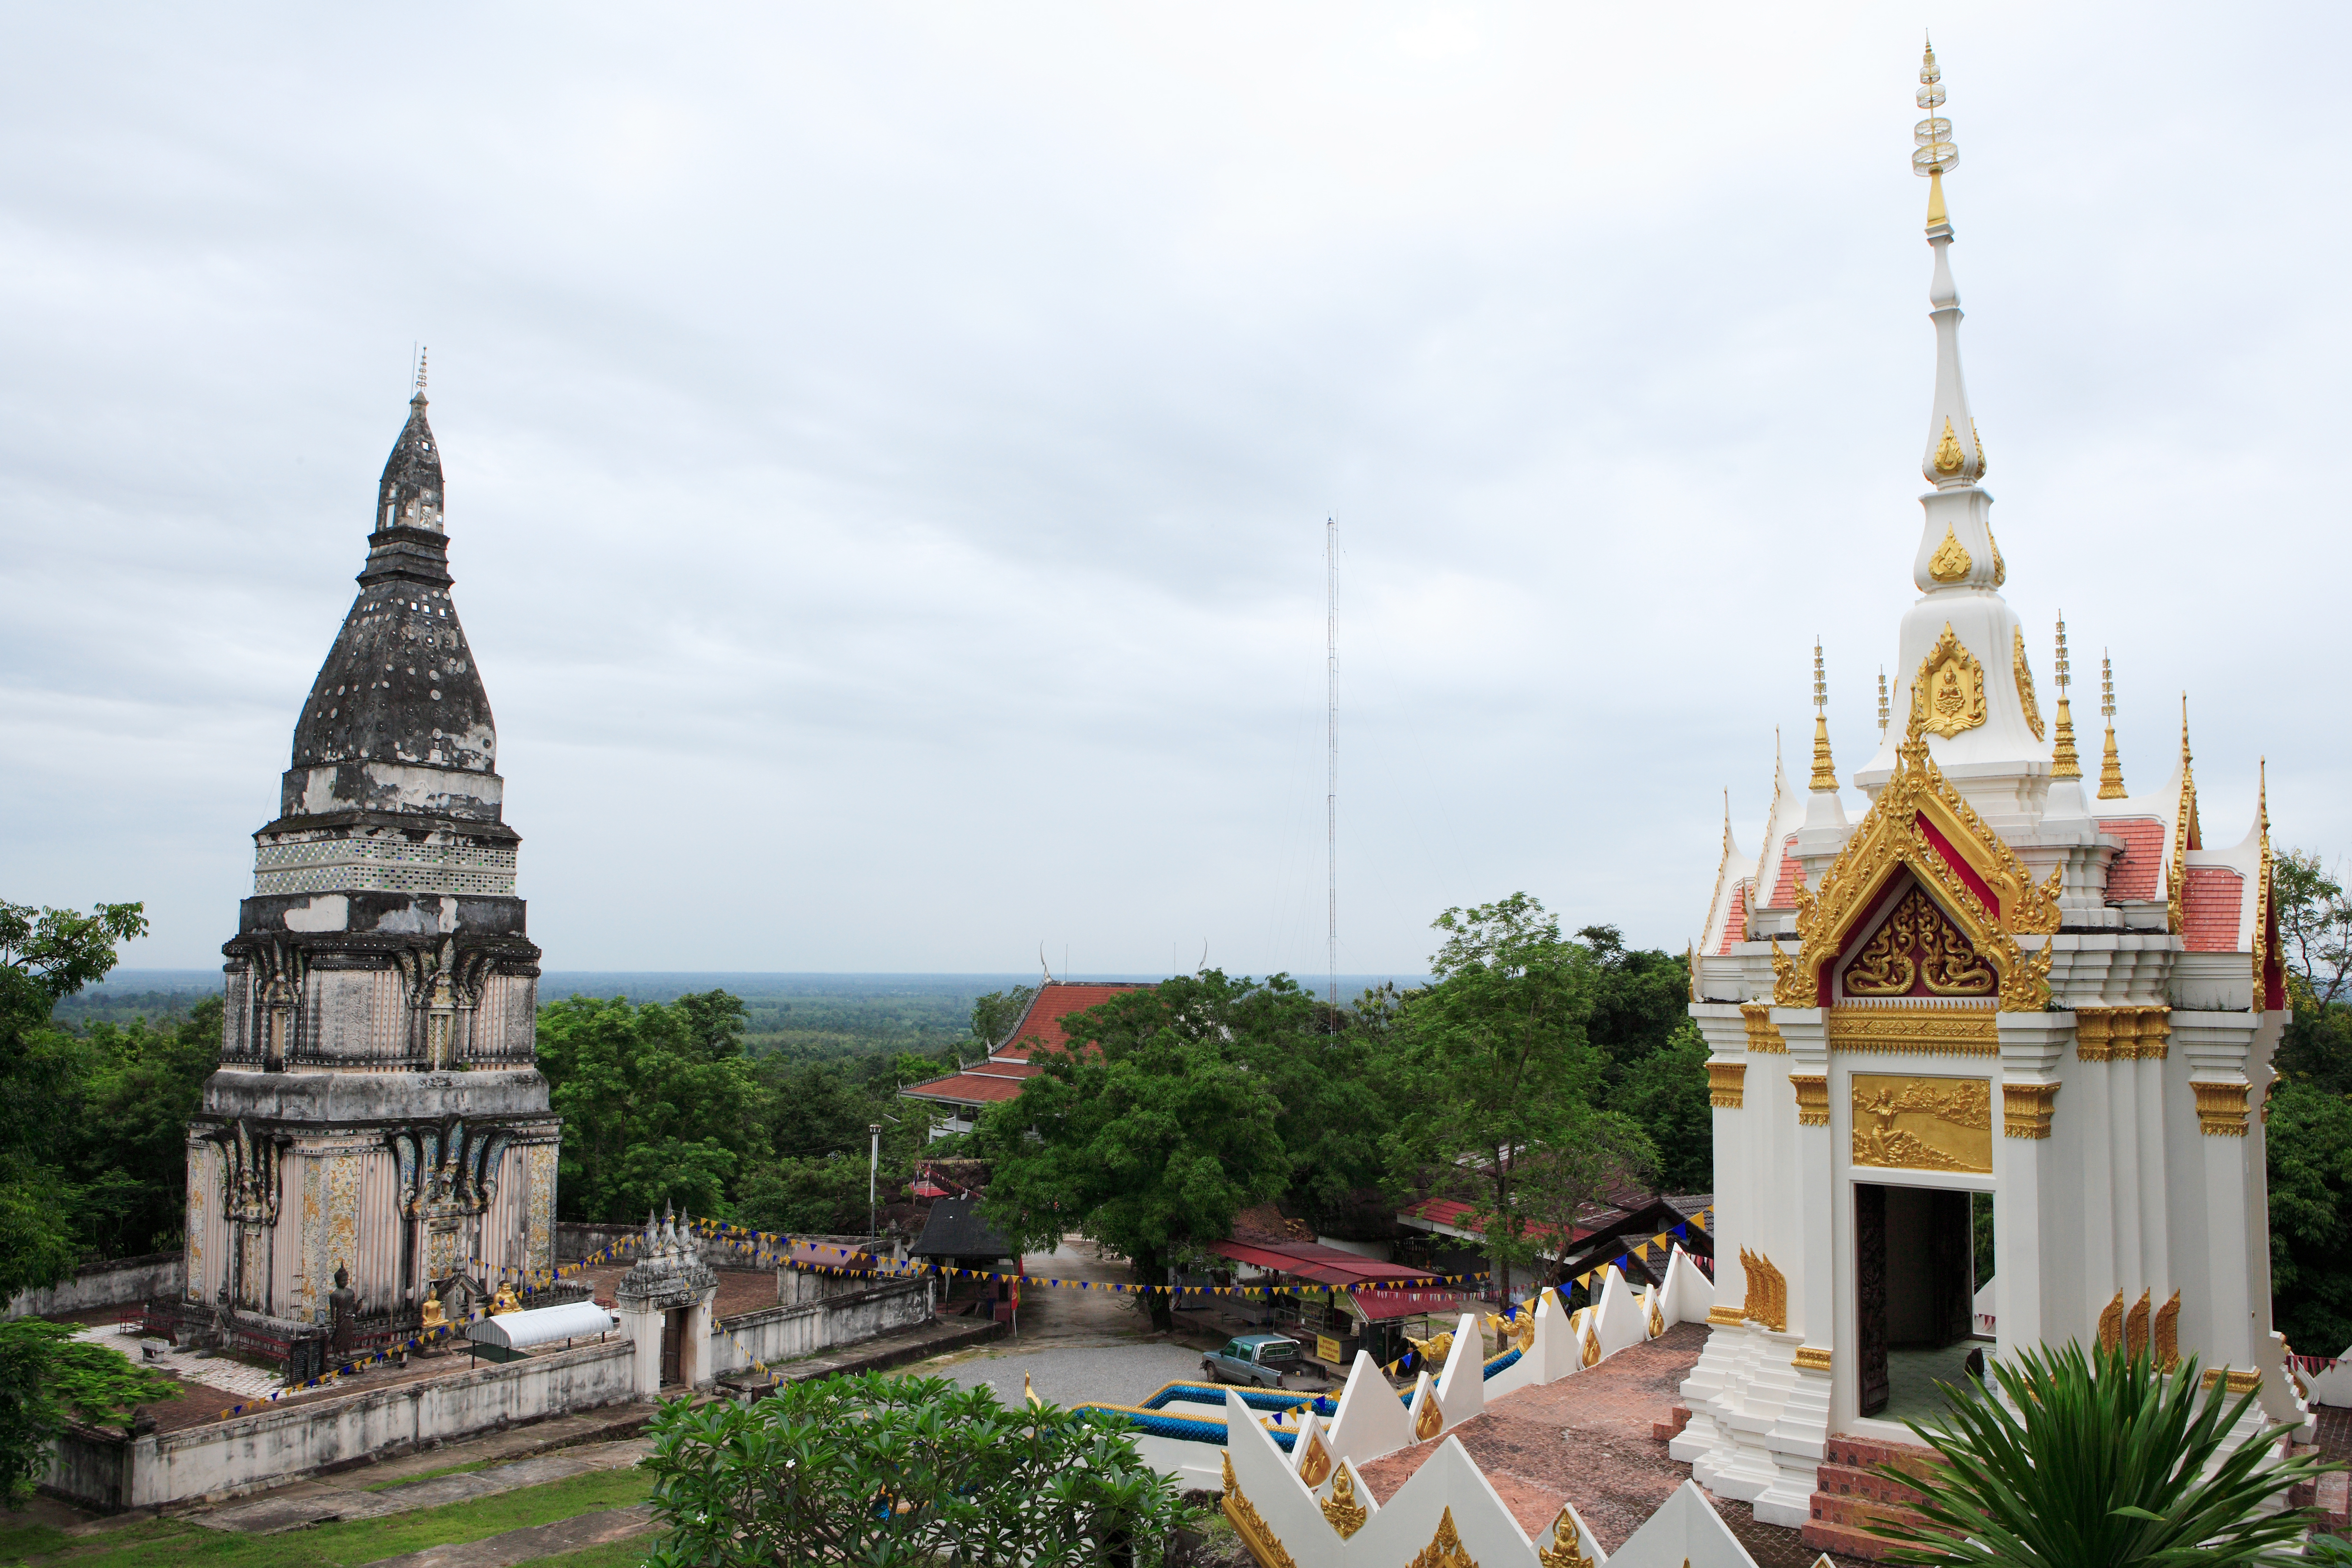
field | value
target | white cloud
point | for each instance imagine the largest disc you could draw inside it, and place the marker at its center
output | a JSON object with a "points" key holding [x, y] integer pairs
{"points": [[888, 447]]}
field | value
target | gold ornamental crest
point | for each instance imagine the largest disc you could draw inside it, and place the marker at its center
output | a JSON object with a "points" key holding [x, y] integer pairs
{"points": [[1948, 695]]}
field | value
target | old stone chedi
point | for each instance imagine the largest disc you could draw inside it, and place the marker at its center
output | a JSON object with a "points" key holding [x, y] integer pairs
{"points": [[1987, 992], [377, 1107]]}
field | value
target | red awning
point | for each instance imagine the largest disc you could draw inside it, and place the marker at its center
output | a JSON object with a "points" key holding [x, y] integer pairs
{"points": [[1379, 1306], [1324, 1265]]}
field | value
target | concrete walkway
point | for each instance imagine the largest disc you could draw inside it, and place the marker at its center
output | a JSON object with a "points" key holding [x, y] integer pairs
{"points": [[536, 1540], [324, 1501]]}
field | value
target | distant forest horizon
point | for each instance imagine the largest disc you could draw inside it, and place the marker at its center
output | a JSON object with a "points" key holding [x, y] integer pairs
{"points": [[807, 1016]]}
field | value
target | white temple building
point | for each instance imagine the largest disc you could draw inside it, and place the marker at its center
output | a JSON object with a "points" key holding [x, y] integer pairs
{"points": [[1990, 981]]}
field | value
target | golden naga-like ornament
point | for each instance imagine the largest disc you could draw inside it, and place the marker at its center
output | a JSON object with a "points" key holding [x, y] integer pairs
{"points": [[1658, 1318], [1444, 1550], [2111, 1324], [1947, 694], [1999, 567], [2167, 1334], [1436, 1348], [1768, 1291], [2135, 1327], [1590, 1355], [1950, 563], [1949, 456], [1345, 1514], [2024, 672], [1431, 1419], [1566, 1548]]}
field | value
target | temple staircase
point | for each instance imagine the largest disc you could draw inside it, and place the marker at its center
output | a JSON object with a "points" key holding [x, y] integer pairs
{"points": [[1850, 1496]]}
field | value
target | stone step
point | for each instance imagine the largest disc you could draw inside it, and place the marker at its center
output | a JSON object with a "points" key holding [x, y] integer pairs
{"points": [[1863, 1453], [1666, 1431], [1845, 1541], [1859, 1512], [1845, 1480]]}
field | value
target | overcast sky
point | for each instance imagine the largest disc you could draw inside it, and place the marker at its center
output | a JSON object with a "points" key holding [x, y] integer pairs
{"points": [[888, 447]]}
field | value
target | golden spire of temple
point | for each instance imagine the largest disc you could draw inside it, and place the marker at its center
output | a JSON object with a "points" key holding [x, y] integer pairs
{"points": [[2064, 762], [2111, 770], [1824, 771], [1933, 157], [1882, 702]]}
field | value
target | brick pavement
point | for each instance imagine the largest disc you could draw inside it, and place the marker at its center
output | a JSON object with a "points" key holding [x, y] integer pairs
{"points": [[1587, 1439]]}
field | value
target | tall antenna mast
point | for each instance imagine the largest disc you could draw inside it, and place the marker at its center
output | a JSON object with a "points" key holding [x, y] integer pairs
{"points": [[1331, 755]]}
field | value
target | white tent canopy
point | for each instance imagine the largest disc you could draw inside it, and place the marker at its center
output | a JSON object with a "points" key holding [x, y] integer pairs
{"points": [[543, 1325]]}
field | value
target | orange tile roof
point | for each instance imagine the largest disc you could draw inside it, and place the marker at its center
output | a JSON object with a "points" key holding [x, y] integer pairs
{"points": [[2209, 908], [2132, 873], [1042, 1025]]}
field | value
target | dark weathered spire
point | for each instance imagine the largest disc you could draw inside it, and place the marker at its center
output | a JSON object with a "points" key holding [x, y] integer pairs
{"points": [[399, 689]]}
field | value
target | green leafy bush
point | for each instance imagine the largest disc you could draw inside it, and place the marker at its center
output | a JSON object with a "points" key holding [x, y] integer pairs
{"points": [[884, 1471], [2096, 1460]]}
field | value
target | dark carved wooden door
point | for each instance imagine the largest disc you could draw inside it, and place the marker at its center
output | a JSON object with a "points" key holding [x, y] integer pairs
{"points": [[673, 1335], [1870, 1294]]}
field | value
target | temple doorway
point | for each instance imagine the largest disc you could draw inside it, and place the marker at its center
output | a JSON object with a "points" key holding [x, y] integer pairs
{"points": [[673, 1341], [1914, 1295]]}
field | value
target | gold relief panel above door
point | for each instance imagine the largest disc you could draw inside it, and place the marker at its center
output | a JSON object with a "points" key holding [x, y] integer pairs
{"points": [[1930, 1028], [1915, 1123]]}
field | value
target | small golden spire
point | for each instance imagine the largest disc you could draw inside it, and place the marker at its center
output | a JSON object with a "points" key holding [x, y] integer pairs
{"points": [[2064, 762], [1933, 156], [421, 354], [2111, 770], [1882, 702], [1824, 773]]}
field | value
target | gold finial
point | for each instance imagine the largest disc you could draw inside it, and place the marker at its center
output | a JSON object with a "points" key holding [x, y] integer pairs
{"points": [[2111, 770], [1824, 771], [1882, 702], [421, 354], [1933, 156], [2064, 762]]}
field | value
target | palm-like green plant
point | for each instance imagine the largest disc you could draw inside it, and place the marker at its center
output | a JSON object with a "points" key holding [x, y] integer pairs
{"points": [[2095, 1460]]}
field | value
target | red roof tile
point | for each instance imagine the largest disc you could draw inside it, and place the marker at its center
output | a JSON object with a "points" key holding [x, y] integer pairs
{"points": [[1784, 886], [1045, 1021], [1735, 919], [2133, 874], [1459, 1215], [993, 1081], [2209, 908], [1325, 1264]]}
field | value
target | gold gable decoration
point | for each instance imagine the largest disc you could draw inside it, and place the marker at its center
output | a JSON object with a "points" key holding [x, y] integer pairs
{"points": [[1947, 694], [1917, 943], [1446, 1550], [1889, 838], [1346, 1515], [1950, 563], [2024, 673]]}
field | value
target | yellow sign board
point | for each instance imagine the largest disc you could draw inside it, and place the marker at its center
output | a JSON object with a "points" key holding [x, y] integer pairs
{"points": [[1325, 1348]]}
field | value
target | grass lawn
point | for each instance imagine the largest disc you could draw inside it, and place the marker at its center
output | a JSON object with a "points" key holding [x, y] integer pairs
{"points": [[463, 1469], [154, 1544]]}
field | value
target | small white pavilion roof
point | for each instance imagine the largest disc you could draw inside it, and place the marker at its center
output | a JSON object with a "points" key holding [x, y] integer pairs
{"points": [[541, 1325]]}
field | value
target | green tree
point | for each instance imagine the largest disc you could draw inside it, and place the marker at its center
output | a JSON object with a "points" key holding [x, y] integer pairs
{"points": [[1492, 1063], [2310, 1144], [2308, 1133], [1593, 1154], [129, 1149], [1665, 1094], [45, 955], [996, 1015], [901, 1470], [1152, 1134], [45, 1375], [658, 1104], [2095, 1461]]}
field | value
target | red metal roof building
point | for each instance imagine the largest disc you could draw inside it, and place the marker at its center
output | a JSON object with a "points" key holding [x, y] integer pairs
{"points": [[959, 1096]]}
